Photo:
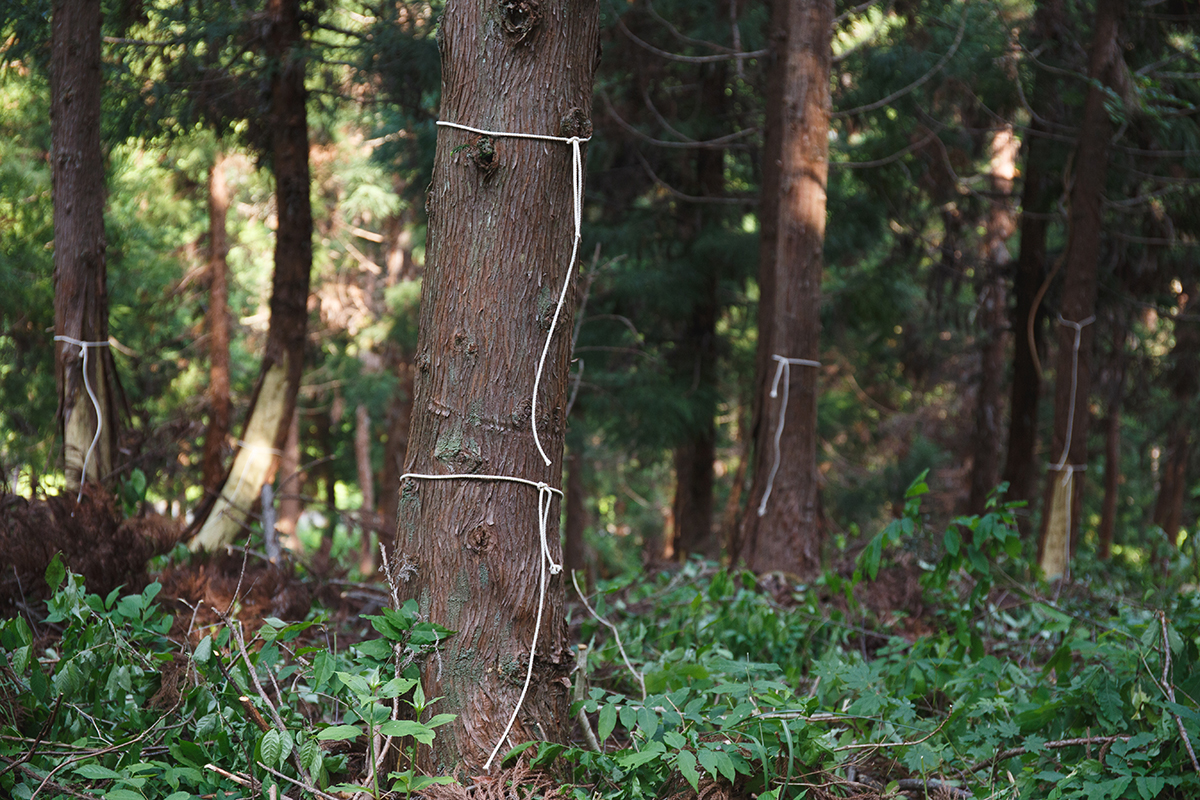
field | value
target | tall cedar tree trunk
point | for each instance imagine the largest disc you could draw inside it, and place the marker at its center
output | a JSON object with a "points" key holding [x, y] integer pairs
{"points": [[274, 398], [1037, 200], [692, 511], [1112, 442], [500, 238], [80, 275], [788, 536], [985, 466], [1184, 377], [220, 407], [1059, 534]]}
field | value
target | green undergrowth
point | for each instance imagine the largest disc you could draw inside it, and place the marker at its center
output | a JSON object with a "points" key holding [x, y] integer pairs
{"points": [[97, 701], [1012, 694]]}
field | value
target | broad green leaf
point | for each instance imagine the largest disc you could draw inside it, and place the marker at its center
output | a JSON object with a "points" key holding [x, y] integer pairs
{"points": [[686, 761], [272, 747], [407, 727], [1150, 787], [203, 650], [55, 572], [633, 760], [628, 716], [440, 719], [607, 722], [123, 794], [97, 772], [339, 733], [708, 760]]}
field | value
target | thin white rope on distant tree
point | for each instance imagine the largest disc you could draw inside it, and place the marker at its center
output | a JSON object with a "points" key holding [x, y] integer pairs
{"points": [[83, 351], [783, 369]]}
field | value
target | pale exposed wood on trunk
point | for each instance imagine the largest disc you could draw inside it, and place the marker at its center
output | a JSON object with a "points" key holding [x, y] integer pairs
{"points": [[80, 277], [274, 400], [788, 536], [500, 236]]}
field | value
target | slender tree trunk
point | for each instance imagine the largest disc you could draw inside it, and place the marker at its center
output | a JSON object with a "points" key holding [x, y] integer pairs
{"points": [[1037, 200], [1112, 444], [1073, 373], [220, 407], [395, 447], [500, 243], [291, 483], [692, 510], [80, 275], [366, 483], [576, 512], [274, 399], [787, 536], [993, 316]]}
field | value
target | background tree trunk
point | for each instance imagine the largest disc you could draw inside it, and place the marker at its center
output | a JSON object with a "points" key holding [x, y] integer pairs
{"points": [[985, 464], [576, 512], [219, 405], [787, 537], [1184, 377], [1079, 298], [274, 399], [80, 275], [367, 521], [500, 238], [1037, 200]]}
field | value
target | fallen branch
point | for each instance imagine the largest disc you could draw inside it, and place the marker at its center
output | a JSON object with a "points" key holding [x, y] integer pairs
{"points": [[1055, 745]]}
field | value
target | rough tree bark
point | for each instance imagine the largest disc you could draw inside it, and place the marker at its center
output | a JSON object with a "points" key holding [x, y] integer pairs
{"points": [[575, 513], [220, 407], [1037, 200], [500, 238], [80, 272], [1073, 375], [787, 537], [985, 465], [274, 399]]}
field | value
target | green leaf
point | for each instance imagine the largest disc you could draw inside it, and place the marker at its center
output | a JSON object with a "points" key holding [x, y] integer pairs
{"points": [[203, 650], [339, 733], [407, 727], [633, 760], [97, 772], [179, 796], [686, 762], [607, 722], [546, 754], [123, 794], [952, 540], [396, 687], [272, 747], [628, 716], [440, 719], [323, 665], [511, 756], [1150, 787], [708, 760], [311, 756], [55, 572]]}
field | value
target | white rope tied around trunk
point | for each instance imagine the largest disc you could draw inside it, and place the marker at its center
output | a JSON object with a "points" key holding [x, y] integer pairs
{"points": [[83, 351], [783, 369], [1061, 465], [577, 194], [546, 494]]}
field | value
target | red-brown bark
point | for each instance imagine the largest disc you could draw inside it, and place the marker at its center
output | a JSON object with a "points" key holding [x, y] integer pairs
{"points": [[220, 408], [500, 239], [993, 319], [80, 272], [1073, 369], [1037, 200], [788, 535]]}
